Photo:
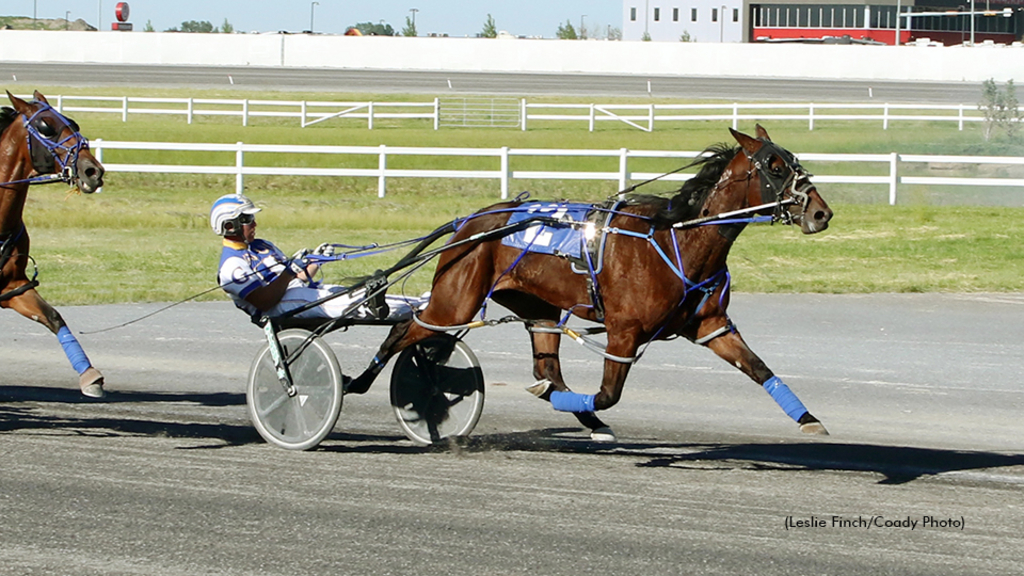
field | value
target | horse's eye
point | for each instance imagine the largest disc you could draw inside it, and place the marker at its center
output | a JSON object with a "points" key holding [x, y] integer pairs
{"points": [[46, 130]]}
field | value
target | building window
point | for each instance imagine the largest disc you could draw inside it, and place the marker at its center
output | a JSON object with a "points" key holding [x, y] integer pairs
{"points": [[735, 14], [714, 14], [693, 14], [657, 14], [675, 14], [632, 14]]}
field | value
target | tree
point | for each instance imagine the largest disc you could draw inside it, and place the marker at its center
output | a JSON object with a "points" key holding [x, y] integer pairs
{"points": [[490, 30], [646, 37], [226, 27], [1000, 108], [685, 37], [149, 26], [193, 26], [566, 32], [614, 33], [410, 28], [371, 29]]}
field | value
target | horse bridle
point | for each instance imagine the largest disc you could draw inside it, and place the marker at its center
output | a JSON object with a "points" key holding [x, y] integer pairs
{"points": [[774, 186], [51, 152]]}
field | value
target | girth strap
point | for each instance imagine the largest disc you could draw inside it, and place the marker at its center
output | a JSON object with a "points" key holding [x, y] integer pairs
{"points": [[19, 290]]}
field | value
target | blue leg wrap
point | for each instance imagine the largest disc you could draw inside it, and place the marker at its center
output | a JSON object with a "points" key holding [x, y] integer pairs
{"points": [[785, 398], [572, 402], [73, 350]]}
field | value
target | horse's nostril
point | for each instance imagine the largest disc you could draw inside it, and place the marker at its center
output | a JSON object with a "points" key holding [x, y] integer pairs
{"points": [[90, 172], [819, 215]]}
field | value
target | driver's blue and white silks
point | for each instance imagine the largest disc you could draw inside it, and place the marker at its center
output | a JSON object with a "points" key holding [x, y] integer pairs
{"points": [[785, 398], [244, 268], [73, 350]]}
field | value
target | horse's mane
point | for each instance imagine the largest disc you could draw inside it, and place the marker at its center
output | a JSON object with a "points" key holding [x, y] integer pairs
{"points": [[7, 116], [686, 203]]}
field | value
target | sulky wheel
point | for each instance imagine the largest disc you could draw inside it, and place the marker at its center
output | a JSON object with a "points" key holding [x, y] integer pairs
{"points": [[301, 421], [437, 389]]}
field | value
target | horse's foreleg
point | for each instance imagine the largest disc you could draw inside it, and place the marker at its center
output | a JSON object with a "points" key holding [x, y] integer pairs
{"points": [[731, 348], [31, 305], [547, 369]]}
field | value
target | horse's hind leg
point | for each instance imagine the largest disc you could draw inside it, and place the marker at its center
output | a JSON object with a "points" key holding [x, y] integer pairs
{"points": [[31, 305], [731, 348], [547, 369]]}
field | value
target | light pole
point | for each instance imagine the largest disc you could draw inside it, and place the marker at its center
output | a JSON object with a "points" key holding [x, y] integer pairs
{"points": [[583, 34], [99, 16], [972, 22], [67, 22], [414, 11], [312, 5], [721, 26], [897, 43]]}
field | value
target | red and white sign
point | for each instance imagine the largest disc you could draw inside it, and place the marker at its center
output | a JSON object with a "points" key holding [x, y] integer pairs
{"points": [[121, 10]]}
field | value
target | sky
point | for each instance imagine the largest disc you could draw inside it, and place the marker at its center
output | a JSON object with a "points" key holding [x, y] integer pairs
{"points": [[452, 17]]}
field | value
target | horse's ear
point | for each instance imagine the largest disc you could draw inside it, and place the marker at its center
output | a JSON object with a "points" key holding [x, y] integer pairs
{"points": [[39, 96], [762, 133], [749, 144], [20, 105]]}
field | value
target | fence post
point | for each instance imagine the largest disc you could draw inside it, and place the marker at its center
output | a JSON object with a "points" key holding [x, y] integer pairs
{"points": [[810, 115], [623, 169], [60, 103], [591, 117], [382, 165], [885, 116], [302, 113], [369, 116], [96, 147], [961, 123], [189, 113], [124, 109], [239, 162], [245, 112], [506, 173], [650, 119], [437, 113], [522, 113], [893, 177], [735, 116]]}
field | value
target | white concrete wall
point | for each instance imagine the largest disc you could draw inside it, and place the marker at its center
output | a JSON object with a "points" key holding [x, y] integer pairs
{"points": [[541, 56]]}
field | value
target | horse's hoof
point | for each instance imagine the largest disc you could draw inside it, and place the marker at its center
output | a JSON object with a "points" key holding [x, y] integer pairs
{"points": [[91, 383], [539, 388], [603, 434], [814, 428]]}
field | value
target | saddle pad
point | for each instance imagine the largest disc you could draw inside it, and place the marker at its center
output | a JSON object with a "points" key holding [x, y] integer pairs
{"points": [[543, 239]]}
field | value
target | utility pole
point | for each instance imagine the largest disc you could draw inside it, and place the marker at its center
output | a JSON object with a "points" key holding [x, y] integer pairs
{"points": [[312, 5], [583, 34]]}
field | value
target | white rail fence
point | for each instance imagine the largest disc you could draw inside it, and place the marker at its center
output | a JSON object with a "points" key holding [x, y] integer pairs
{"points": [[887, 165], [640, 116]]}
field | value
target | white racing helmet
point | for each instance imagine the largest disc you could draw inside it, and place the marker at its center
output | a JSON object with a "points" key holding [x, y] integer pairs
{"points": [[227, 211]]}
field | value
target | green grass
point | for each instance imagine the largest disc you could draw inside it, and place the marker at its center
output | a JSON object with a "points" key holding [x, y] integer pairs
{"points": [[146, 237]]}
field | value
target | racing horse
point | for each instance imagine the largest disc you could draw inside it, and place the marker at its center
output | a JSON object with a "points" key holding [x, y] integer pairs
{"points": [[664, 275], [40, 145]]}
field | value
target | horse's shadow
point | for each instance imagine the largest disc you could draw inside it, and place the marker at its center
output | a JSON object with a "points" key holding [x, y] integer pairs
{"points": [[896, 464]]}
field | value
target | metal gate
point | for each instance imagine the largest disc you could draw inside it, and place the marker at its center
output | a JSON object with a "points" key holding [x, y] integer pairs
{"points": [[481, 112]]}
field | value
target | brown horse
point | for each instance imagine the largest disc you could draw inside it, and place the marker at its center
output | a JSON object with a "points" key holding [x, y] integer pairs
{"points": [[664, 274], [40, 145]]}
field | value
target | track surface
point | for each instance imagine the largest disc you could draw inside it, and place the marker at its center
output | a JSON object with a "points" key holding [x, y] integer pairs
{"points": [[442, 83], [922, 395]]}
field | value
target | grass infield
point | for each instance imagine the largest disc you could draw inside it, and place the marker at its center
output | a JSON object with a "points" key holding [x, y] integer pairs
{"points": [[146, 238]]}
